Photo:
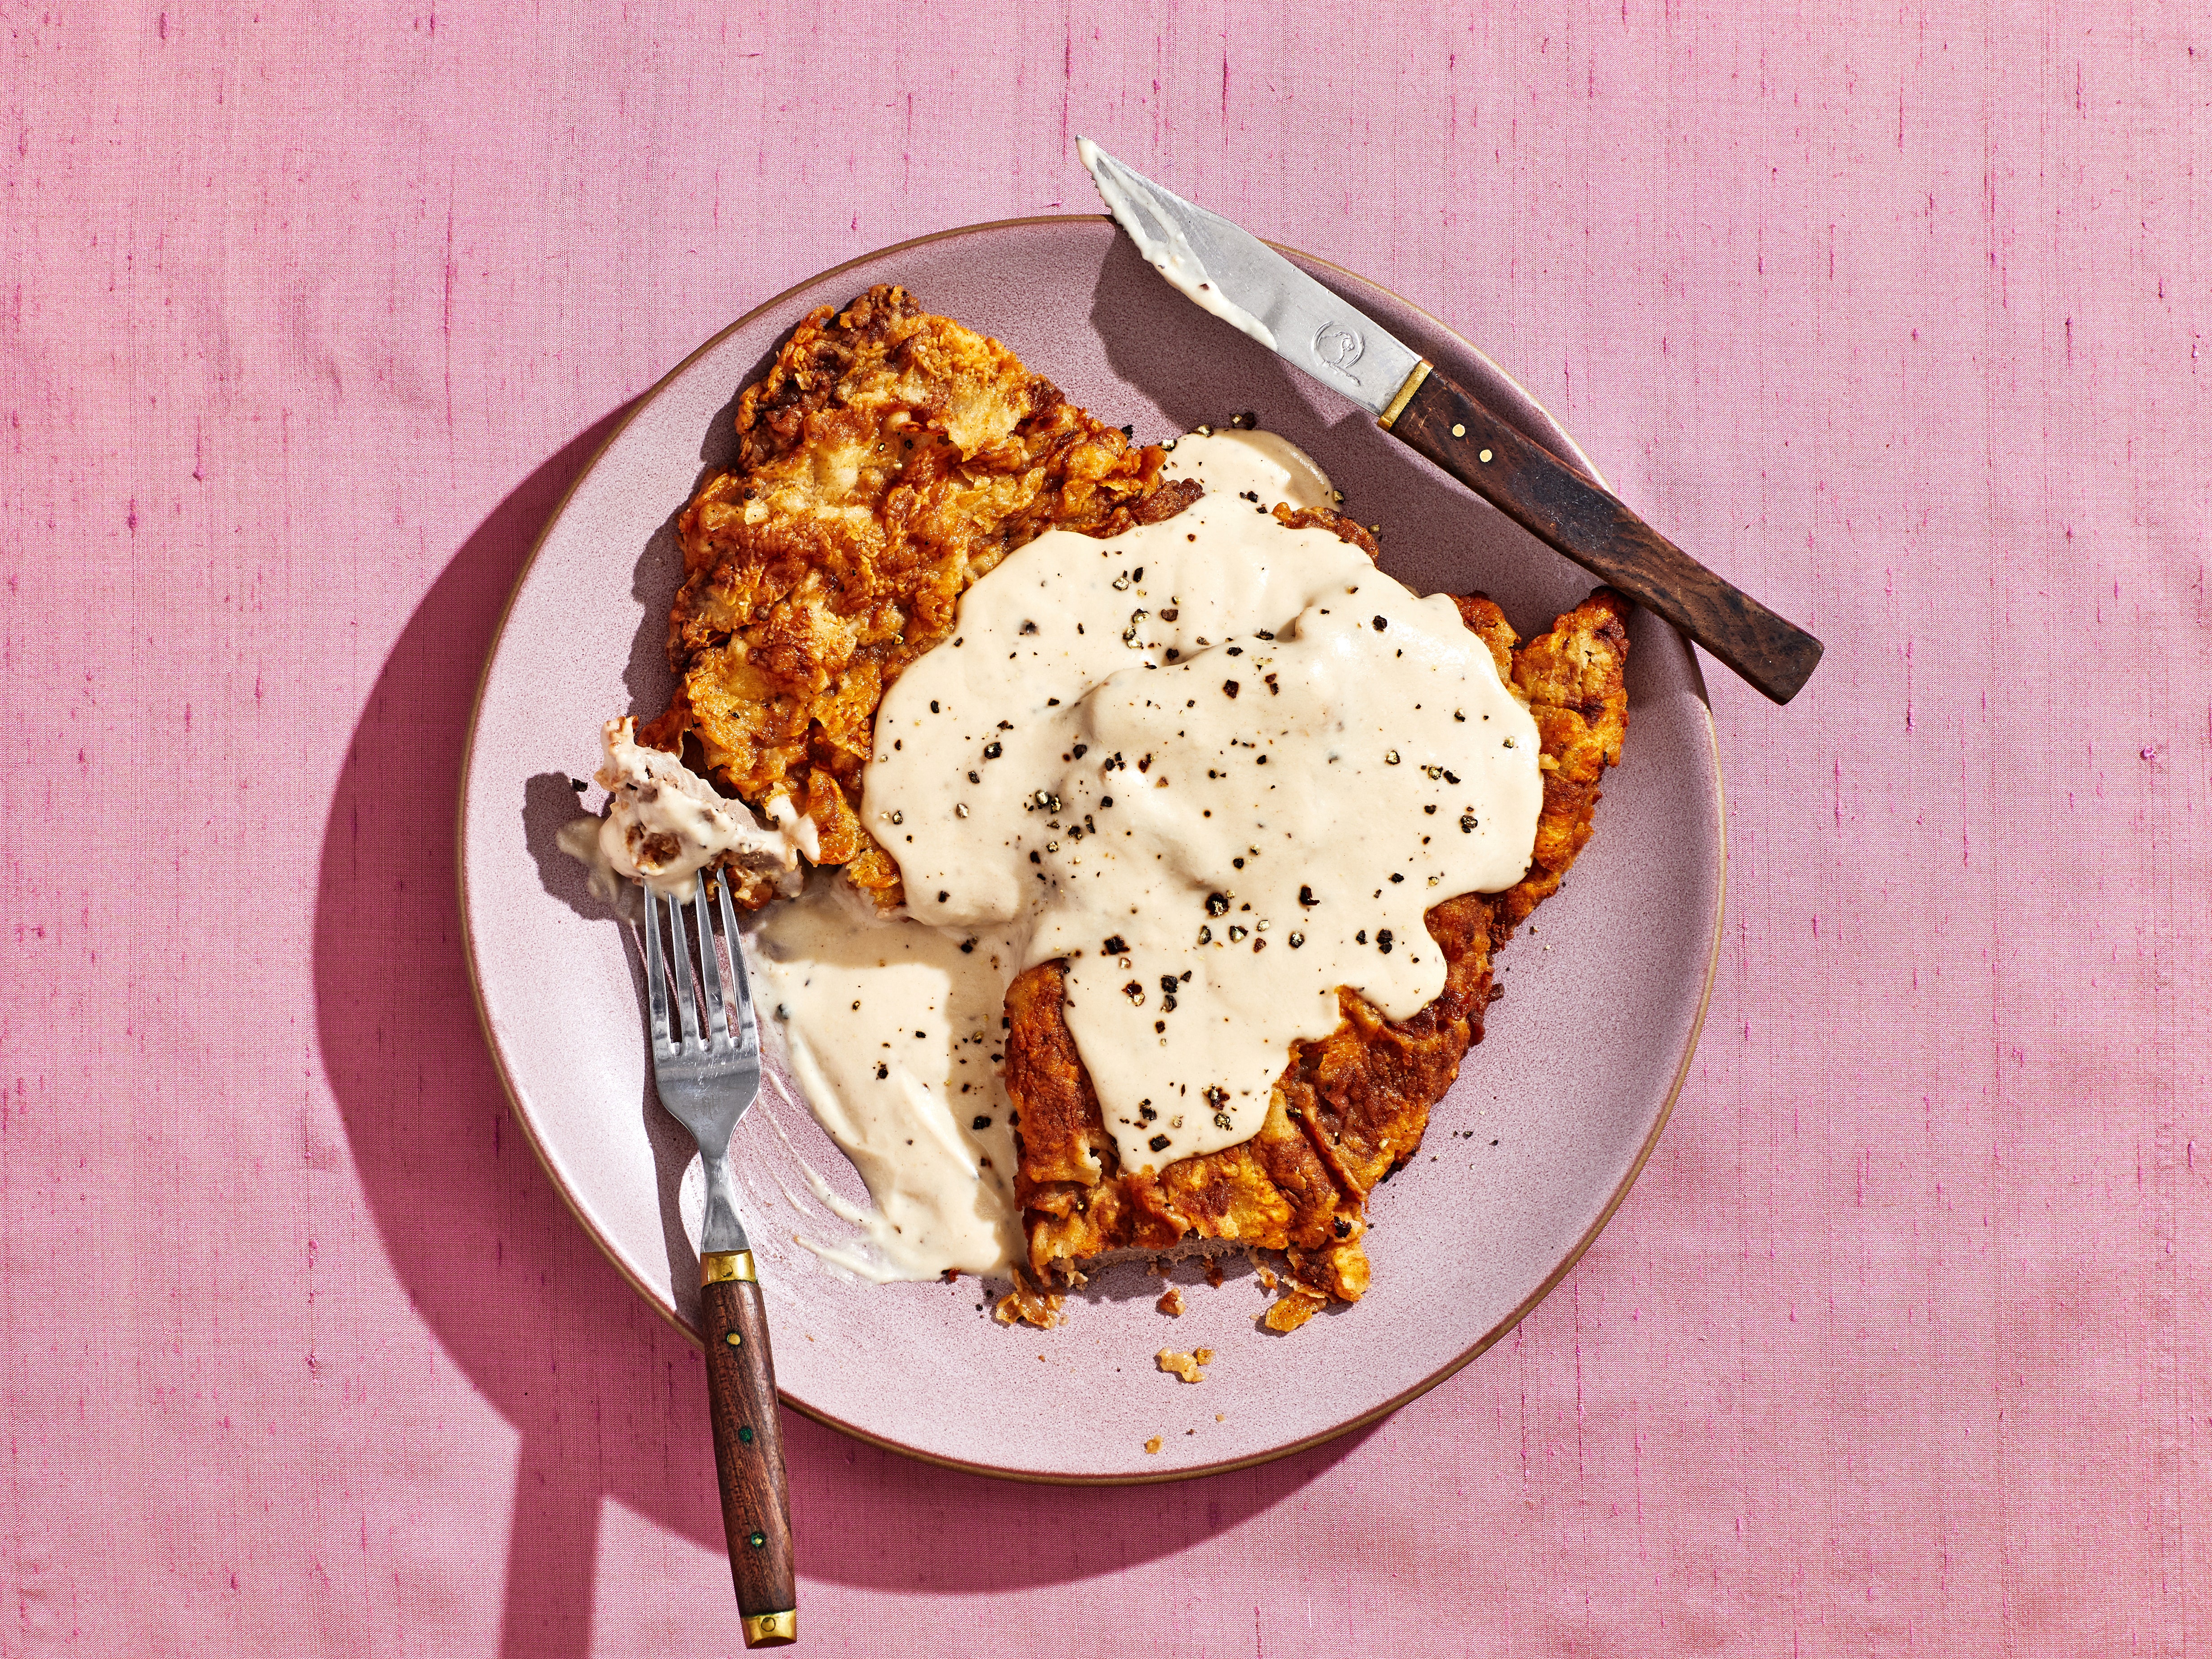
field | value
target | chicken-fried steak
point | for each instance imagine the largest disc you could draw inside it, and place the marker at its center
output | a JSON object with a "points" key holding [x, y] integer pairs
{"points": [[887, 461]]}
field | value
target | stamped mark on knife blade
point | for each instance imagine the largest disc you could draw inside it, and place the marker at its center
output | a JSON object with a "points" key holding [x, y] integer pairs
{"points": [[1338, 348]]}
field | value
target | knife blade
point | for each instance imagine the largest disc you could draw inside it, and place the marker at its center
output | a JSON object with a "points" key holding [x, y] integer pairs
{"points": [[1225, 269]]}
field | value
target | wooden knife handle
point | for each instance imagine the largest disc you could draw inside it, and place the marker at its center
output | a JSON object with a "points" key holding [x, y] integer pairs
{"points": [[1558, 503], [748, 1454]]}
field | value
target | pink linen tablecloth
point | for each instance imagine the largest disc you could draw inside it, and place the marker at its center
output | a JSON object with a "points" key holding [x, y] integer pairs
{"points": [[1896, 314]]}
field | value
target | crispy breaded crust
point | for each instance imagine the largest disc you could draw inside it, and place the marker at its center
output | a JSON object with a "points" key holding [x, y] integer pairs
{"points": [[1571, 678], [888, 459], [1351, 1108]]}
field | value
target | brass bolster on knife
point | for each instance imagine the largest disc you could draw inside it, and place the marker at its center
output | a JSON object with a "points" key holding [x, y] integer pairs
{"points": [[722, 1266], [771, 1630], [1405, 394]]}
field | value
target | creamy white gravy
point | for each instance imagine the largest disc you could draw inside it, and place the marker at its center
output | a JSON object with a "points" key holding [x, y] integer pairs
{"points": [[1219, 766], [892, 1031]]}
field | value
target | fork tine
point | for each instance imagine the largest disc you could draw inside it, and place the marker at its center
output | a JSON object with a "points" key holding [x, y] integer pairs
{"points": [[710, 971], [656, 975], [748, 1029], [687, 1008]]}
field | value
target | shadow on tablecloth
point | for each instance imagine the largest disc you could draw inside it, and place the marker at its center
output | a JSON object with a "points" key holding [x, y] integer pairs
{"points": [[607, 1402]]}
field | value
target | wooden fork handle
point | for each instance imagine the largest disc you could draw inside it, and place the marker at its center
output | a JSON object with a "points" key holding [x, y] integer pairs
{"points": [[749, 1448], [1558, 503]]}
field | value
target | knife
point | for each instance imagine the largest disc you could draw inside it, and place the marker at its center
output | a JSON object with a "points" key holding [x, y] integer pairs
{"points": [[1227, 271]]}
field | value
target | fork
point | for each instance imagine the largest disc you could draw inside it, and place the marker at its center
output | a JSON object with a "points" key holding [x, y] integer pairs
{"points": [[707, 1076]]}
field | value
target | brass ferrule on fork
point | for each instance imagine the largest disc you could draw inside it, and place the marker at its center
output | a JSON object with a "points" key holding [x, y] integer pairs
{"points": [[722, 1266]]}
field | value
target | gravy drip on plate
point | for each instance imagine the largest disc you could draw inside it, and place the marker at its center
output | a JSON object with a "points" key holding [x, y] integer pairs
{"points": [[894, 1032], [1220, 766]]}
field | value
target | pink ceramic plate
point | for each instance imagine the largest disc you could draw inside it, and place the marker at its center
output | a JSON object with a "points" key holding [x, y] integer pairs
{"points": [[1526, 1157]]}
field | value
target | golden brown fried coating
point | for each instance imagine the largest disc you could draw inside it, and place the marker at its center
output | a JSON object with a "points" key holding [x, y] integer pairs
{"points": [[1571, 680], [1351, 1108], [888, 459]]}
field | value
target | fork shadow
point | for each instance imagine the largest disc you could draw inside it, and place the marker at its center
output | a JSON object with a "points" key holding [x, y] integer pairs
{"points": [[607, 1402]]}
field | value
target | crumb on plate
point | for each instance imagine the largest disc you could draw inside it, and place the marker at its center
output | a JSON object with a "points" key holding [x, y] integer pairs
{"points": [[1190, 1367], [1295, 1306]]}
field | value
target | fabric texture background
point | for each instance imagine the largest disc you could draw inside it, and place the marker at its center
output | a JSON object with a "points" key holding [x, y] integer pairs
{"points": [[1896, 315]]}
